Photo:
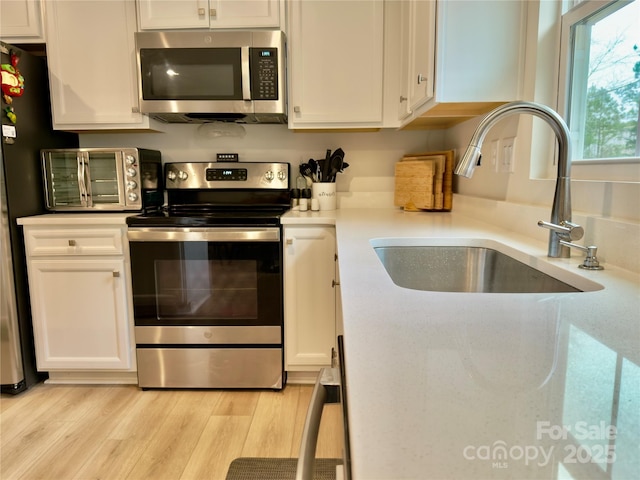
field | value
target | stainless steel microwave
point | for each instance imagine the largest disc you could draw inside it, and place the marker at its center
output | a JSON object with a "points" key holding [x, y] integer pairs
{"points": [[196, 77], [102, 179]]}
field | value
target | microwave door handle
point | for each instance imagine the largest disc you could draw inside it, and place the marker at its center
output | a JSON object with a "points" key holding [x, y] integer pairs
{"points": [[246, 74]]}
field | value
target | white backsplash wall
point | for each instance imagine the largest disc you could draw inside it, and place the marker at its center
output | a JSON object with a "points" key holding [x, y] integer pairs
{"points": [[369, 180]]}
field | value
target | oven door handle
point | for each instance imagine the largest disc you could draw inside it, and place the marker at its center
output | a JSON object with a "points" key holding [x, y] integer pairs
{"points": [[186, 234]]}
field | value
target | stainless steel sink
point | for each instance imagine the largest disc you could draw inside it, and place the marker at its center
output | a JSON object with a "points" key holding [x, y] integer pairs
{"points": [[466, 269]]}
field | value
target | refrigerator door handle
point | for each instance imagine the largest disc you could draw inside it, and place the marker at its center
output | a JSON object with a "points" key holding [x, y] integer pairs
{"points": [[326, 390]]}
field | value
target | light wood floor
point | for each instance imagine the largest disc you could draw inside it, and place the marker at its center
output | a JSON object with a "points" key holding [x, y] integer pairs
{"points": [[60, 432]]}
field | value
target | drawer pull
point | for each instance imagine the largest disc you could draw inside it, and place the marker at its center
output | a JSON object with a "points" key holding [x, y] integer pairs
{"points": [[116, 274], [289, 241], [72, 243]]}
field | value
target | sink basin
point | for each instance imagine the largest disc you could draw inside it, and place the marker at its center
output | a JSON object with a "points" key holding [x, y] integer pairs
{"points": [[468, 268]]}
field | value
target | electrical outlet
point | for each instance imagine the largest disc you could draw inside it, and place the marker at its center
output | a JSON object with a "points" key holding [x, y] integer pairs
{"points": [[507, 154], [494, 145]]}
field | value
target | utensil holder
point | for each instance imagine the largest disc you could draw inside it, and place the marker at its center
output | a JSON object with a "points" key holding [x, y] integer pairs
{"points": [[326, 195]]}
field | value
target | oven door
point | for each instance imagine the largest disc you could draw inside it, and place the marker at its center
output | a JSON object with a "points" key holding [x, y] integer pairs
{"points": [[205, 277]]}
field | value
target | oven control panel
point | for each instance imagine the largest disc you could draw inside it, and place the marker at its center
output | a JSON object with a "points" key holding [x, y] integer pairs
{"points": [[221, 175]]}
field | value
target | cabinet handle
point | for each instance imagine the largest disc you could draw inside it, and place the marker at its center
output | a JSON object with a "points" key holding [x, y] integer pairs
{"points": [[201, 11], [72, 243], [116, 274], [334, 284], [212, 12], [296, 109], [421, 79], [135, 109], [289, 241], [403, 99]]}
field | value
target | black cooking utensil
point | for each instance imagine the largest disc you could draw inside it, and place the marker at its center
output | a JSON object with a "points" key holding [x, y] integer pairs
{"points": [[326, 166], [315, 170], [336, 161], [305, 169]]}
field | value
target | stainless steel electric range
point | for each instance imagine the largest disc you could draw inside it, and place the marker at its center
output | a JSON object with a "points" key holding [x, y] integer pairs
{"points": [[207, 278]]}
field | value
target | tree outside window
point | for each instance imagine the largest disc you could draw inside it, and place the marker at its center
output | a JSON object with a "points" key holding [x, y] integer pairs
{"points": [[605, 83]]}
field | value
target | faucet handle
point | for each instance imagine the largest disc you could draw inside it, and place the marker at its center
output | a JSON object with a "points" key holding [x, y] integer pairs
{"points": [[566, 229]]}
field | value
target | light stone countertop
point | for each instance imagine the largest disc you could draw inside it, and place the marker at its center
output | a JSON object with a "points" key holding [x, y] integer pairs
{"points": [[471, 386], [77, 218]]}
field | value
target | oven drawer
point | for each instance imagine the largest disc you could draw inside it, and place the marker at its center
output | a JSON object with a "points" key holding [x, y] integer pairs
{"points": [[210, 368], [69, 241]]}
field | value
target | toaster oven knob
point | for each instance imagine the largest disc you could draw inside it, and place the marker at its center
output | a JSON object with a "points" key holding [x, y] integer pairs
{"points": [[131, 172], [282, 175], [133, 196], [131, 185], [130, 160], [269, 175], [171, 175], [182, 175]]}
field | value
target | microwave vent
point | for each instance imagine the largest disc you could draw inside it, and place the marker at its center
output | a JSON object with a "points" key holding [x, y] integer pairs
{"points": [[197, 118]]}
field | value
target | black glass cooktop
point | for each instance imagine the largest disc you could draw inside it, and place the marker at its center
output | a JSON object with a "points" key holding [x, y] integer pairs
{"points": [[219, 218]]}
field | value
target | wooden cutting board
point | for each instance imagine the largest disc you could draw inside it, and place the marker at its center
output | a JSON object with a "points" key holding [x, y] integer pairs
{"points": [[414, 185], [442, 177]]}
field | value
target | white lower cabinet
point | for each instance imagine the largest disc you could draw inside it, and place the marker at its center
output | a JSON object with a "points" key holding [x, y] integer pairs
{"points": [[309, 297], [79, 286], [79, 312]]}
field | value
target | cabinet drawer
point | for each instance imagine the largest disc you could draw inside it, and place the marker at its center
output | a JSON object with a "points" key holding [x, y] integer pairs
{"points": [[99, 241]]}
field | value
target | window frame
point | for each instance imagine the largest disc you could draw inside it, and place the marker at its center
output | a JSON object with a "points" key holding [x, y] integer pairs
{"points": [[627, 169]]}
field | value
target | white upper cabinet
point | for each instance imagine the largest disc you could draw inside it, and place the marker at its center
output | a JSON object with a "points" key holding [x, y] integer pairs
{"points": [[479, 52], [417, 54], [92, 67], [21, 21], [169, 14], [335, 64]]}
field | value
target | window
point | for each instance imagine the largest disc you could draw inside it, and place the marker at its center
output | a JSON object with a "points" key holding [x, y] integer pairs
{"points": [[600, 89]]}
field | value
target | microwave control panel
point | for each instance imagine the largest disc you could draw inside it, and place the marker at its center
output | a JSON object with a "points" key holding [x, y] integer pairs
{"points": [[264, 73]]}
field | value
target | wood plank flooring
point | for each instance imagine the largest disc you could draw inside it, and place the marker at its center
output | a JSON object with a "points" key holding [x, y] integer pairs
{"points": [[65, 432]]}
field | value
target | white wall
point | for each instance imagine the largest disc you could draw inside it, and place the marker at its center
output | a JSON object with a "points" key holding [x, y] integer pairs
{"points": [[533, 181], [371, 155]]}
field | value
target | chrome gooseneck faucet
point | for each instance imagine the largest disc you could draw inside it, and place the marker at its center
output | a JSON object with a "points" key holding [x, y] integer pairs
{"points": [[562, 230]]}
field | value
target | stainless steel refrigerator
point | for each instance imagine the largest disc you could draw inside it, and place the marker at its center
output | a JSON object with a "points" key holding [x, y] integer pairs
{"points": [[21, 195]]}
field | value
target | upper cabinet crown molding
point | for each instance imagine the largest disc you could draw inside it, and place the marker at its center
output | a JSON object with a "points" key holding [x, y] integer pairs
{"points": [[22, 21], [208, 14]]}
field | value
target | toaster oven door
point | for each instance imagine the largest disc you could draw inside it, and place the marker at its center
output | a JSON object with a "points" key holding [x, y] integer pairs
{"points": [[82, 180], [64, 180], [105, 182]]}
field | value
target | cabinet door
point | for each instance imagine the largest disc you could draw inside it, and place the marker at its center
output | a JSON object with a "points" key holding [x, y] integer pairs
{"points": [[336, 51], [21, 21], [168, 14], [246, 13], [159, 14], [422, 37], [91, 57], [80, 315], [309, 296], [417, 71]]}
